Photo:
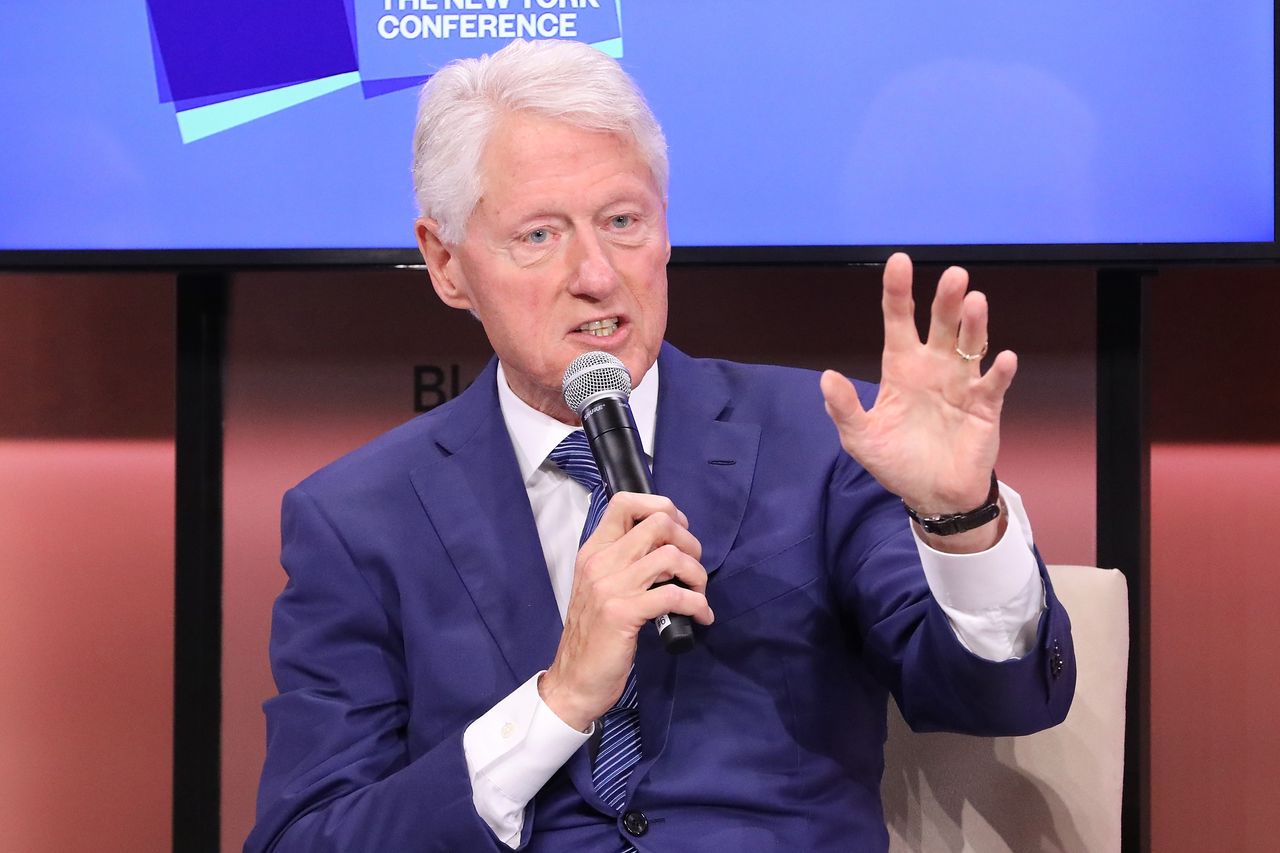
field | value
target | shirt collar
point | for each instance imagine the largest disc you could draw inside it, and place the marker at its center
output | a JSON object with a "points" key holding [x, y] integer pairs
{"points": [[534, 434]]}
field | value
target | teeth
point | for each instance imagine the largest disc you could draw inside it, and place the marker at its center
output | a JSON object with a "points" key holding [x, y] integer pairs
{"points": [[600, 328]]}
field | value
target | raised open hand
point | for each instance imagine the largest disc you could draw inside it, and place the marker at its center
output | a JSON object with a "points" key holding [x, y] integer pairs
{"points": [[934, 431]]}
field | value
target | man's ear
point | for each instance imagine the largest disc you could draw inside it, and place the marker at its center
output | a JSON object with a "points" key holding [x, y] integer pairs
{"points": [[442, 264]]}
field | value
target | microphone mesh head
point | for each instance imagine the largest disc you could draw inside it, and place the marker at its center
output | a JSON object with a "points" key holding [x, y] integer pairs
{"points": [[592, 374]]}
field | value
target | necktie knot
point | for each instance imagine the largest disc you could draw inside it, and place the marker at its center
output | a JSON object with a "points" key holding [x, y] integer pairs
{"points": [[573, 456]]}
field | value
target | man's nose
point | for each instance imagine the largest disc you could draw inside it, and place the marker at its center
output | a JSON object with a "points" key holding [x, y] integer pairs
{"points": [[592, 273]]}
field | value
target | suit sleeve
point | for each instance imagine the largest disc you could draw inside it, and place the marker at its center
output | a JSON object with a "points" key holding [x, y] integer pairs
{"points": [[338, 774], [906, 640]]}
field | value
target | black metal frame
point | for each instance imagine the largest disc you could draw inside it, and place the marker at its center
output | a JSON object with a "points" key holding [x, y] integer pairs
{"points": [[197, 655], [1083, 254], [1123, 509]]}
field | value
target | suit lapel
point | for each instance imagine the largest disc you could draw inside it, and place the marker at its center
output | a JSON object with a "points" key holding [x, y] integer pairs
{"points": [[703, 461], [478, 505], [705, 464]]}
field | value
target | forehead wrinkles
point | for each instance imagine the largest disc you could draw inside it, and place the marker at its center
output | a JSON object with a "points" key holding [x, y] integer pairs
{"points": [[584, 197], [552, 164]]}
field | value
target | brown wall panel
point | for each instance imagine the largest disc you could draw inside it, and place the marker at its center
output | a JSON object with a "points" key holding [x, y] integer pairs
{"points": [[86, 355], [1215, 578], [1215, 359], [1215, 674], [86, 562]]}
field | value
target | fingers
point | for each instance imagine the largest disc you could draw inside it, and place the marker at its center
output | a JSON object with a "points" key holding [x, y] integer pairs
{"points": [[658, 547], [641, 523], [670, 598], [946, 312], [667, 563], [635, 610], [1000, 375], [958, 320], [897, 304], [627, 509], [971, 336], [841, 398], [613, 571], [958, 326]]}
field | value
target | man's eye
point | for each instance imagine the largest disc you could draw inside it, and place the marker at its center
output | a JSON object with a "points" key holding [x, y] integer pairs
{"points": [[622, 220], [538, 235]]}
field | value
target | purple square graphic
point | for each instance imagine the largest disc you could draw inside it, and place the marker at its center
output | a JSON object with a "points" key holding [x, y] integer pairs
{"points": [[374, 88], [162, 79], [208, 48], [192, 103]]}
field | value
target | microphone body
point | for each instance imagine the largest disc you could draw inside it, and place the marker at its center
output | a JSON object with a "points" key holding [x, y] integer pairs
{"points": [[615, 444]]}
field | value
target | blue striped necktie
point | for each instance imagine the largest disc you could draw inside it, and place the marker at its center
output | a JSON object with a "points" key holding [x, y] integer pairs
{"points": [[620, 739]]}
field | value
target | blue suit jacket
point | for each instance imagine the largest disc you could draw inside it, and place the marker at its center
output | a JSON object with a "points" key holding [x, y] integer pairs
{"points": [[418, 598]]}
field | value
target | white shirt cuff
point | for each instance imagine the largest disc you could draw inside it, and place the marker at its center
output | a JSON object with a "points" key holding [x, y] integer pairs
{"points": [[993, 599], [511, 752]]}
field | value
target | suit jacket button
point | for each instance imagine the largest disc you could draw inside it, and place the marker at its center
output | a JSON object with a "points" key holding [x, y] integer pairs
{"points": [[635, 823]]}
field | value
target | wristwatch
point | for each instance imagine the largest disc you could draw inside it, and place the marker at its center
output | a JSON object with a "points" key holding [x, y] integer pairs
{"points": [[959, 522]]}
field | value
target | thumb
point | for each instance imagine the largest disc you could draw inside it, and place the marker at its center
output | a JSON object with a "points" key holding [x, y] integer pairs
{"points": [[843, 405]]}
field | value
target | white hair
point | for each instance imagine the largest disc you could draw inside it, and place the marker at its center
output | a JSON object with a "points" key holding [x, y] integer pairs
{"points": [[461, 104]]}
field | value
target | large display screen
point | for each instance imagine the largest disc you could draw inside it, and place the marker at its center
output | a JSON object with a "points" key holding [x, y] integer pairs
{"points": [[285, 125]]}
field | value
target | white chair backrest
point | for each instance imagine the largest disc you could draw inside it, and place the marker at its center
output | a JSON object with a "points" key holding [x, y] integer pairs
{"points": [[1057, 790]]}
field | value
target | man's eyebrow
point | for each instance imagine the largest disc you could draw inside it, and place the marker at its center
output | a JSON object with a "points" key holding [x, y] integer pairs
{"points": [[633, 199], [542, 213]]}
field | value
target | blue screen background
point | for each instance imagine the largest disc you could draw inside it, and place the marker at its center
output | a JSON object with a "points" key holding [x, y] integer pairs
{"points": [[846, 122]]}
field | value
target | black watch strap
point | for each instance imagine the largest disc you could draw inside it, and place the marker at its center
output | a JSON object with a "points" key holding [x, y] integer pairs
{"points": [[959, 522]]}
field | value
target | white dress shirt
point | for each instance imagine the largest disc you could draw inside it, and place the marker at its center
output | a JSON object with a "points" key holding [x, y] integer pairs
{"points": [[992, 599]]}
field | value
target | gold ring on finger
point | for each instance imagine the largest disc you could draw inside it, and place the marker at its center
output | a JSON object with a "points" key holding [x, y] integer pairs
{"points": [[971, 356]]}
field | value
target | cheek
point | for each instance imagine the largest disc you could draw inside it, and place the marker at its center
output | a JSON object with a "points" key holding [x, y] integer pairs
{"points": [[646, 273], [655, 289], [516, 299]]}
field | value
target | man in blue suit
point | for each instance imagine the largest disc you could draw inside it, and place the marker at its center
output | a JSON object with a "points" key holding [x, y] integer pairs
{"points": [[457, 674]]}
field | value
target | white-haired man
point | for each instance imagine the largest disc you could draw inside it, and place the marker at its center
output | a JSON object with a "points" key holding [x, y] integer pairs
{"points": [[457, 673]]}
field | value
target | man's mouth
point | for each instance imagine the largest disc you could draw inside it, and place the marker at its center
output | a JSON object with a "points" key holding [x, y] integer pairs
{"points": [[600, 328]]}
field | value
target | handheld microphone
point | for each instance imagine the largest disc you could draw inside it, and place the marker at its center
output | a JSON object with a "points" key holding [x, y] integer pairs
{"points": [[596, 385]]}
